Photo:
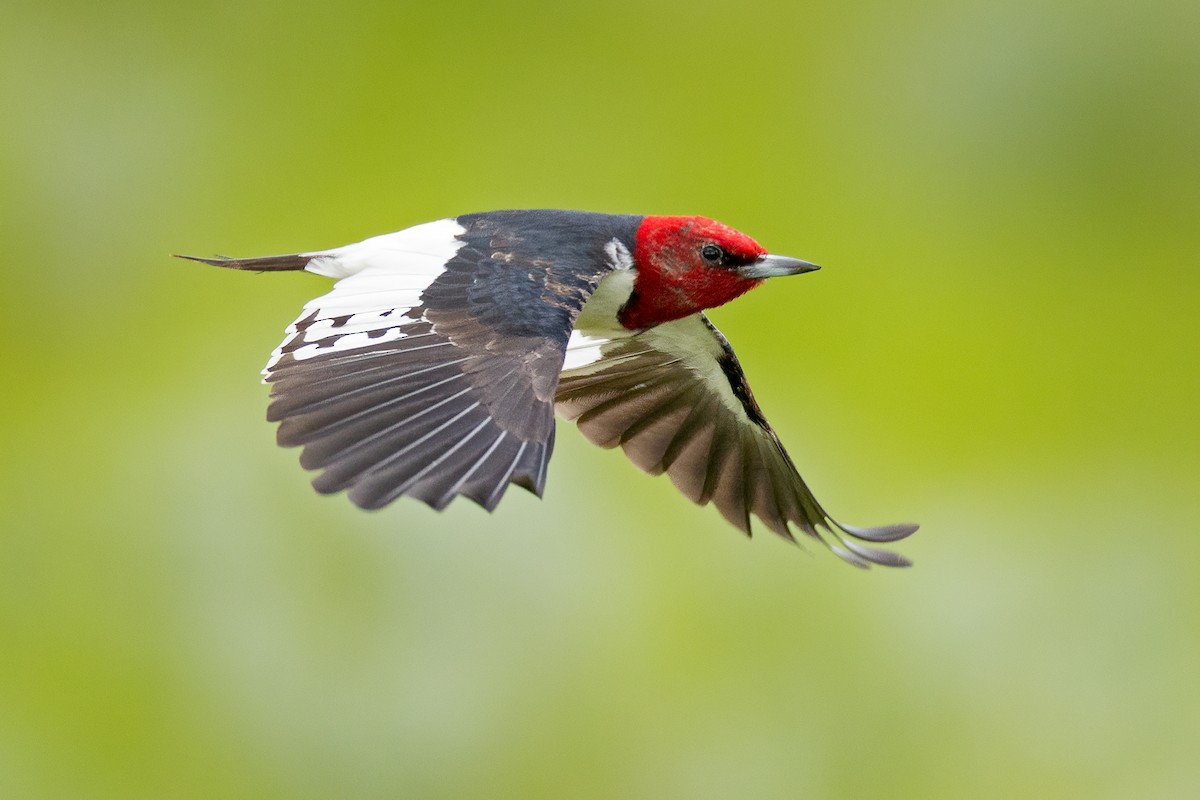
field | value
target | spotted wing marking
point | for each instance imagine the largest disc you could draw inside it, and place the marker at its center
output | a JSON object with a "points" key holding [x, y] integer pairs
{"points": [[380, 282]]}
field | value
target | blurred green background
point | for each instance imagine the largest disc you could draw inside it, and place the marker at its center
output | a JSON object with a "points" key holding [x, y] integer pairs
{"points": [[1003, 346]]}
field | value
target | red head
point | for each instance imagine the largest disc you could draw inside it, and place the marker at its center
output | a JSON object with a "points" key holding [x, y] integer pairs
{"points": [[688, 264]]}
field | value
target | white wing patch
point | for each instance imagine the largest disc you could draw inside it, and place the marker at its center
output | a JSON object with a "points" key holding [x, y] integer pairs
{"points": [[583, 350], [419, 250], [346, 342], [379, 280]]}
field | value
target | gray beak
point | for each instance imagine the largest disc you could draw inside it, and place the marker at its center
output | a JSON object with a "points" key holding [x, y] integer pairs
{"points": [[770, 266]]}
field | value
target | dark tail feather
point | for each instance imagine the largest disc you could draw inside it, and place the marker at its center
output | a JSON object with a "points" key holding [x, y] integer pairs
{"points": [[263, 264]]}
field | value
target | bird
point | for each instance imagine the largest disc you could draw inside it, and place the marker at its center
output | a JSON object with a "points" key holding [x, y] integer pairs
{"points": [[436, 365]]}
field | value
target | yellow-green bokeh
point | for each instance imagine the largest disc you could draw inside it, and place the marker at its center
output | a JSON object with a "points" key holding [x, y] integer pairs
{"points": [[1003, 346]]}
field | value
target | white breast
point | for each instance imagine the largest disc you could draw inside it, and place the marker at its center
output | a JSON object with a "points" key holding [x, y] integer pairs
{"points": [[597, 323]]}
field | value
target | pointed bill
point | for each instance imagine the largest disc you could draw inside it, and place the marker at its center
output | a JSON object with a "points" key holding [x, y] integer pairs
{"points": [[771, 266]]}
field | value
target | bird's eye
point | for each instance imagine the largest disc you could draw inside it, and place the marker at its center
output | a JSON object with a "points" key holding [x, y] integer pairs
{"points": [[712, 253]]}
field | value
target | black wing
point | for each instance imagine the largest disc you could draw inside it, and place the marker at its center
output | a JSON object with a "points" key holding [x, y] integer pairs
{"points": [[675, 399], [430, 371]]}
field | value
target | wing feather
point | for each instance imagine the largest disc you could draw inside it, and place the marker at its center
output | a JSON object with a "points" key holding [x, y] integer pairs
{"points": [[429, 370], [675, 398]]}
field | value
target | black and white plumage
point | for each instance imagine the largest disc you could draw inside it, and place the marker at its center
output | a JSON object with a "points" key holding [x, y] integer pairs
{"points": [[435, 366]]}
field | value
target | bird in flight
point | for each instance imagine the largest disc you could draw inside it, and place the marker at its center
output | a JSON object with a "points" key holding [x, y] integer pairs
{"points": [[435, 366]]}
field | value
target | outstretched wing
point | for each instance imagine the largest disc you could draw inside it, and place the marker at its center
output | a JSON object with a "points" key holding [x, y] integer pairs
{"points": [[430, 369], [675, 399]]}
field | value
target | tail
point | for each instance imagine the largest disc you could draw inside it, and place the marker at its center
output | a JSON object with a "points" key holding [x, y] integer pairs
{"points": [[297, 261]]}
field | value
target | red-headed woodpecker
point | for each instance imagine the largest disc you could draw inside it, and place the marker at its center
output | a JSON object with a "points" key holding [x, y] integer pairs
{"points": [[436, 364]]}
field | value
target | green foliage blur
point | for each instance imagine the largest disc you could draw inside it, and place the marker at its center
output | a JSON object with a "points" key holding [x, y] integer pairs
{"points": [[1003, 346]]}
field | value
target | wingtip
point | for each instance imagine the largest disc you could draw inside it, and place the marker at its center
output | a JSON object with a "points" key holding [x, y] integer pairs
{"points": [[849, 557], [859, 554], [884, 558], [883, 533]]}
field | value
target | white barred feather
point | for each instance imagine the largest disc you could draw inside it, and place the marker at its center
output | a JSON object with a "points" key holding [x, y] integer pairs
{"points": [[379, 280]]}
